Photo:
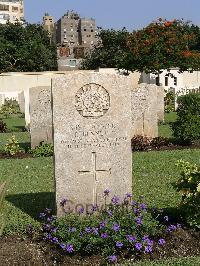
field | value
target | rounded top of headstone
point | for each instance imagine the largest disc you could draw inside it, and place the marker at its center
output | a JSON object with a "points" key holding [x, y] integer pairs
{"points": [[92, 100]]}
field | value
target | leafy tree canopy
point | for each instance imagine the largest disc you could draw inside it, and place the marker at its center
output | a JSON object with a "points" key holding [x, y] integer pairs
{"points": [[161, 45], [26, 48], [110, 51]]}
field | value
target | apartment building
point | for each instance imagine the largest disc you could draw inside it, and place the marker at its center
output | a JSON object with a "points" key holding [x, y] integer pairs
{"points": [[12, 11], [73, 31]]}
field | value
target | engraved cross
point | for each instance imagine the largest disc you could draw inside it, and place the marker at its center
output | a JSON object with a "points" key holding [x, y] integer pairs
{"points": [[94, 172]]}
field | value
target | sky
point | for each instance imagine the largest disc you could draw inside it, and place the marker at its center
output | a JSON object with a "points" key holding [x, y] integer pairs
{"points": [[116, 14]]}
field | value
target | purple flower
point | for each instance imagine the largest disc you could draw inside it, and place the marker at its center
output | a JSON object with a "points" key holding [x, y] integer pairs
{"points": [[72, 229], [62, 245], [128, 195], [48, 211], [178, 226], [171, 228], [106, 192], [94, 208], [166, 218], [148, 249], [115, 200], [138, 220], [145, 238], [69, 248], [63, 202], [102, 225], [110, 213], [112, 258], [95, 231], [136, 210], [133, 203], [116, 227], [54, 240], [104, 235], [42, 215], [50, 219], [138, 246], [130, 238], [81, 210], [119, 244], [161, 242], [88, 229], [143, 206], [150, 242], [53, 230]]}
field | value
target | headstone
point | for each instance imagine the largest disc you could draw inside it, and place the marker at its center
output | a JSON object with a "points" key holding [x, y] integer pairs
{"points": [[92, 138], [21, 101], [160, 103], [40, 115], [144, 110], [2, 99]]}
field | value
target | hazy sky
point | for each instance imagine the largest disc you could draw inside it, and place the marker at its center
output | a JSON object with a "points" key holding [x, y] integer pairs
{"points": [[131, 14]]}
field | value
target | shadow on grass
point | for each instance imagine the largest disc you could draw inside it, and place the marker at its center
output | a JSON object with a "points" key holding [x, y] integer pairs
{"points": [[25, 146], [33, 203]]}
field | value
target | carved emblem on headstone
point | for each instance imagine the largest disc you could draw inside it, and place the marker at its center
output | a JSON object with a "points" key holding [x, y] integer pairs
{"points": [[92, 100]]}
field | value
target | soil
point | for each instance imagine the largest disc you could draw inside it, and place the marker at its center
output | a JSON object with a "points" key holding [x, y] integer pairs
{"points": [[15, 250], [20, 155]]}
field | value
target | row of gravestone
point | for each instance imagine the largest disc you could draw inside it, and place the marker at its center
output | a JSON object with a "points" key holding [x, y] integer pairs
{"points": [[91, 118]]}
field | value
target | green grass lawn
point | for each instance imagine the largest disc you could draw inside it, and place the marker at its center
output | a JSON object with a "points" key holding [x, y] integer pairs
{"points": [[22, 137], [164, 129], [15, 123], [31, 185], [187, 261]]}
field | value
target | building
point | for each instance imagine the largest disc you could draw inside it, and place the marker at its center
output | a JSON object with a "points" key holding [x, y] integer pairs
{"points": [[73, 31], [11, 11], [48, 23]]}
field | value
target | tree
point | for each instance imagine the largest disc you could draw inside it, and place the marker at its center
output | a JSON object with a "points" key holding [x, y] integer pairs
{"points": [[165, 44], [161, 45], [110, 51], [26, 49]]}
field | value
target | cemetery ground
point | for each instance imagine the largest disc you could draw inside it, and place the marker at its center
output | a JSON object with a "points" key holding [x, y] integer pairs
{"points": [[30, 189]]}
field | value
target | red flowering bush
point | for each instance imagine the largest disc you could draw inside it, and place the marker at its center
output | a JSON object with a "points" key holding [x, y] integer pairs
{"points": [[164, 44]]}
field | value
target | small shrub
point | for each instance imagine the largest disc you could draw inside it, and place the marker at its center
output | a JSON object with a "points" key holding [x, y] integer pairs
{"points": [[12, 146], [121, 227], [140, 143], [160, 142], [169, 101], [9, 107], [43, 150], [3, 127], [189, 187], [187, 126], [2, 197]]}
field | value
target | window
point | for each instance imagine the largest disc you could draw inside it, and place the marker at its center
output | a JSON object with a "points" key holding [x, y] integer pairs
{"points": [[175, 81], [4, 7], [64, 30], [14, 8], [157, 81], [166, 81], [84, 29], [92, 30]]}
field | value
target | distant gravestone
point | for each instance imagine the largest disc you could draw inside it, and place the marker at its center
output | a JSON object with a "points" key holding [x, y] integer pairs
{"points": [[92, 138], [2, 98], [21, 101], [40, 115], [160, 103], [144, 110]]}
